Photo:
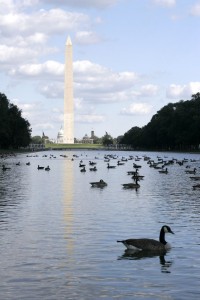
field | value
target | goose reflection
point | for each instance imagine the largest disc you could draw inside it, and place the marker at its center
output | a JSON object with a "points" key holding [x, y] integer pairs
{"points": [[144, 254]]}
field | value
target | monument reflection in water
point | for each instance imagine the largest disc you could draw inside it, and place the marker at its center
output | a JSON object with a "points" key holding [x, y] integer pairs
{"points": [[68, 186]]}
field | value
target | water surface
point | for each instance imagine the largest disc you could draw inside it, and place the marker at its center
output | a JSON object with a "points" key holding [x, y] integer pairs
{"points": [[58, 234]]}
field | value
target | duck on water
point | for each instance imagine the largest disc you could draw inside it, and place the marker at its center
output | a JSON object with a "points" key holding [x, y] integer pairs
{"points": [[144, 244]]}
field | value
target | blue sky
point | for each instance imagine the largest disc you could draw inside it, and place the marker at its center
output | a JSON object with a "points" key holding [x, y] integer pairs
{"points": [[131, 57]]}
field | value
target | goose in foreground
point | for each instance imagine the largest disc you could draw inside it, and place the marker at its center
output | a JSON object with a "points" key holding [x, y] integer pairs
{"points": [[149, 244]]}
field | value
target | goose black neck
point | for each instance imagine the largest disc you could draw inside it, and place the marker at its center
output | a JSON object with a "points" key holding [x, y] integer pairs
{"points": [[162, 236]]}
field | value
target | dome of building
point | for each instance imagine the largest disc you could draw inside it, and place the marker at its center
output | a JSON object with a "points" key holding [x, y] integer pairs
{"points": [[60, 136]]}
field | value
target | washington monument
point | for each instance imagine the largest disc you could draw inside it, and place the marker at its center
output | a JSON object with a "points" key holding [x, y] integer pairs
{"points": [[68, 136]]}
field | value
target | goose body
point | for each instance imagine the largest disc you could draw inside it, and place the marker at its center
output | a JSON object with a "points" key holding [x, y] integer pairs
{"points": [[40, 168], [101, 183], [93, 169], [191, 171], [5, 168], [145, 244], [163, 171], [197, 186], [110, 167], [131, 185]]}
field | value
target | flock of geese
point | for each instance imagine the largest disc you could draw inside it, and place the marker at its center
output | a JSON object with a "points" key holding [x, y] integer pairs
{"points": [[161, 164]]}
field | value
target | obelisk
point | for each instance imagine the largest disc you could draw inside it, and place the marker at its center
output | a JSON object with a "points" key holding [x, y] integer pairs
{"points": [[68, 137]]}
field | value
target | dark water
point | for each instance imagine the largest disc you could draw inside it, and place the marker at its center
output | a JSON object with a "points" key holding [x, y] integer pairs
{"points": [[58, 235]]}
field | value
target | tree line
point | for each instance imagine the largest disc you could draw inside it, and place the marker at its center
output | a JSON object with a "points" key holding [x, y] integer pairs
{"points": [[176, 126], [15, 131]]}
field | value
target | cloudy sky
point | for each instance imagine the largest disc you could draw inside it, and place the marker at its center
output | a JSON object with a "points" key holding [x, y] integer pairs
{"points": [[131, 57]]}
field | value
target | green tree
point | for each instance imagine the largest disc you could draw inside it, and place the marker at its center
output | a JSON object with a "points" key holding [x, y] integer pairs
{"points": [[14, 130], [107, 140], [37, 140], [175, 126]]}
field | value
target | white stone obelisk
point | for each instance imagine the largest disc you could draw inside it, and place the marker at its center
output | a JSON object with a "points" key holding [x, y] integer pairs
{"points": [[68, 137]]}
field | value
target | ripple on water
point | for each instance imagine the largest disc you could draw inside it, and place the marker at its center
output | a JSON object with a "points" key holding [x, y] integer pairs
{"points": [[58, 235]]}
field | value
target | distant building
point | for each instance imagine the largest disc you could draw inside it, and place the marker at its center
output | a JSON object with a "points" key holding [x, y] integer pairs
{"points": [[45, 138], [60, 136], [87, 140]]}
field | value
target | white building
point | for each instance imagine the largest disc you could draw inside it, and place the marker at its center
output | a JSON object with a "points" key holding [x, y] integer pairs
{"points": [[60, 136]]}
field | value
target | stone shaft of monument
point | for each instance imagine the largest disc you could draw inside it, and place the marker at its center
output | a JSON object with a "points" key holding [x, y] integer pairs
{"points": [[68, 137]]}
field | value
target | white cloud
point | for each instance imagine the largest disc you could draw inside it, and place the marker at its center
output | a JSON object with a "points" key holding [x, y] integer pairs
{"points": [[90, 118], [87, 37], [78, 103], [100, 78], [165, 3], [52, 90], [43, 126], [12, 55], [148, 90], [51, 68], [175, 91], [89, 78], [195, 10], [137, 109], [44, 21], [98, 4]]}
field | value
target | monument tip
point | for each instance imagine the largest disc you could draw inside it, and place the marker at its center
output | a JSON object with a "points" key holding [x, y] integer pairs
{"points": [[68, 42]]}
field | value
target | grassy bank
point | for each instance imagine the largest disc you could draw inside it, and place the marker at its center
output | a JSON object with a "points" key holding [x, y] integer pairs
{"points": [[73, 146]]}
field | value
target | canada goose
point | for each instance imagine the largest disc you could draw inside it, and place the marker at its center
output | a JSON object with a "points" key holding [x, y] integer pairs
{"points": [[110, 167], [119, 163], [135, 166], [92, 163], [47, 168], [131, 185], [163, 171], [101, 183], [93, 169], [5, 168], [137, 177], [134, 173], [83, 169], [81, 165], [149, 244], [191, 171], [40, 168], [197, 186], [195, 178]]}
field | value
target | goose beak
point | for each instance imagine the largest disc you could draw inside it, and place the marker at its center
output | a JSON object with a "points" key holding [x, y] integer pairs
{"points": [[171, 232]]}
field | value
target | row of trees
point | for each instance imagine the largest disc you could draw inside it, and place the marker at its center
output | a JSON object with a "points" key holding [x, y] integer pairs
{"points": [[15, 131], [175, 127]]}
